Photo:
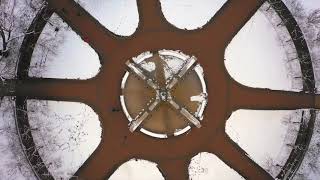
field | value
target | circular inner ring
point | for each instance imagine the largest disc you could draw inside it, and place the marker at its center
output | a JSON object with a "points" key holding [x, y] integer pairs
{"points": [[163, 93]]}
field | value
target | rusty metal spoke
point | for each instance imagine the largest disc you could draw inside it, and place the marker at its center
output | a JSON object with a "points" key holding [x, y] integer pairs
{"points": [[242, 97], [101, 164], [49, 89], [236, 158], [230, 19], [173, 169], [99, 38], [155, 33], [150, 15]]}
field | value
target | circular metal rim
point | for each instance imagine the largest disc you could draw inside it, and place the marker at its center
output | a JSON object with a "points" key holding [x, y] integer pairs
{"points": [[24, 61]]}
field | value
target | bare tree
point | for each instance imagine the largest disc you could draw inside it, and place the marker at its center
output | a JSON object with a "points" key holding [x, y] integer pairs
{"points": [[15, 18]]}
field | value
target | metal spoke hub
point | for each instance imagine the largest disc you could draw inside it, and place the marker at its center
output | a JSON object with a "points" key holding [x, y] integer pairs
{"points": [[163, 93]]}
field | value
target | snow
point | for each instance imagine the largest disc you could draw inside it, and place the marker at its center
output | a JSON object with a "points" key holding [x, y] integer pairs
{"points": [[258, 68], [310, 166], [190, 14], [71, 57], [13, 164], [309, 169], [261, 60], [119, 16], [66, 132], [253, 130], [208, 166], [264, 67], [128, 171]]}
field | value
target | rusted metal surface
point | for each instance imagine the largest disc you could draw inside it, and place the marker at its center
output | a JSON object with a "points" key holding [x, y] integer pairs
{"points": [[159, 111], [102, 92]]}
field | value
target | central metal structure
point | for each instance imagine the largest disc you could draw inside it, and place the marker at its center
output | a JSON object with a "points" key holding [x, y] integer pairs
{"points": [[102, 92], [171, 92]]}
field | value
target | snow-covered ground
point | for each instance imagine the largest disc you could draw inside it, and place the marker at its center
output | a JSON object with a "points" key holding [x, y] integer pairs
{"points": [[68, 132], [13, 162]]}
